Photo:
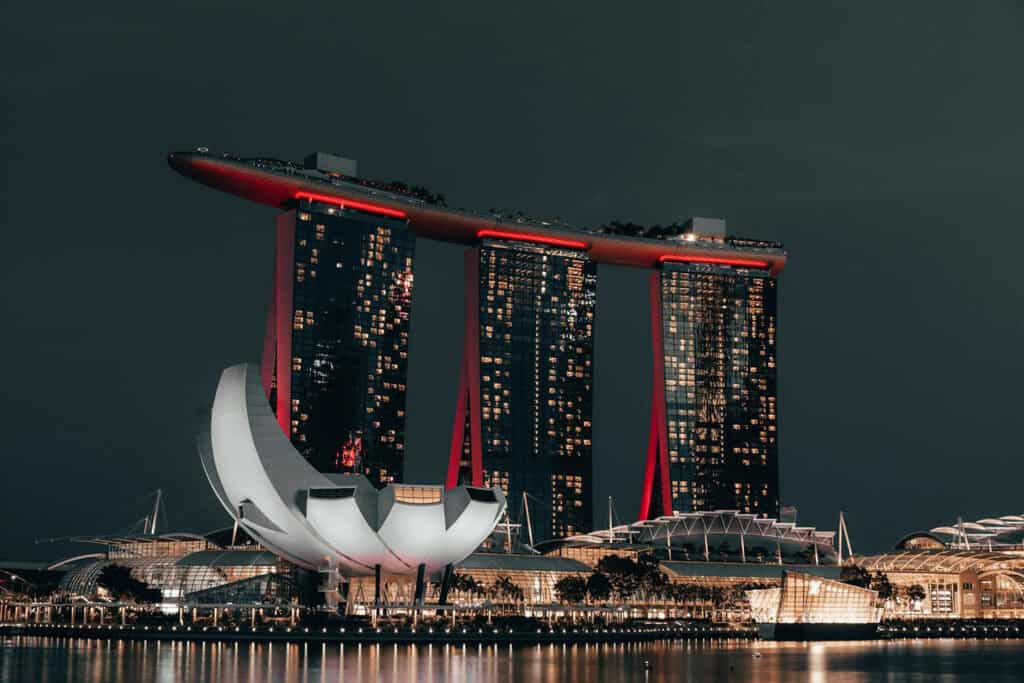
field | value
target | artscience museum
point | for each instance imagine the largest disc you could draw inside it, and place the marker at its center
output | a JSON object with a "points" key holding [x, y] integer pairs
{"points": [[337, 524]]}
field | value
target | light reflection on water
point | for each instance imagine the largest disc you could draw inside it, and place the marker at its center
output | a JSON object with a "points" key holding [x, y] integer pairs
{"points": [[68, 659]]}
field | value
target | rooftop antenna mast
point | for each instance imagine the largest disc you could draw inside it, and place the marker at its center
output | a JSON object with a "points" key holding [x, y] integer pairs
{"points": [[156, 512], [963, 534], [611, 524], [844, 534], [508, 533], [839, 540], [529, 525]]}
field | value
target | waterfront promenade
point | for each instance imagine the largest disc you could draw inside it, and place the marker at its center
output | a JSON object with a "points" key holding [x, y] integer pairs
{"points": [[388, 634]]}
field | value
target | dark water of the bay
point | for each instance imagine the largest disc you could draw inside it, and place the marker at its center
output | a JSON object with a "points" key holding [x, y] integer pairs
{"points": [[47, 660]]}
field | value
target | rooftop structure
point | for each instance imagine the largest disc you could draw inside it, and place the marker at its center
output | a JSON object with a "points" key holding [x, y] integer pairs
{"points": [[952, 583], [282, 184], [1006, 532], [332, 165], [725, 535]]}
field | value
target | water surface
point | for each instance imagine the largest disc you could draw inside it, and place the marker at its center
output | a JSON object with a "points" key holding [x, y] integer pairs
{"points": [[47, 659]]}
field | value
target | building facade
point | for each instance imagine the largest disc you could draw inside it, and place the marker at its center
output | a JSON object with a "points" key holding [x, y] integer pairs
{"points": [[951, 583], [335, 360], [523, 419], [714, 438], [524, 412], [810, 607]]}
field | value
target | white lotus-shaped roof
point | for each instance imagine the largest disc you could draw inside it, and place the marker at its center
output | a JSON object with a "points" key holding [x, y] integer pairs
{"points": [[315, 519]]}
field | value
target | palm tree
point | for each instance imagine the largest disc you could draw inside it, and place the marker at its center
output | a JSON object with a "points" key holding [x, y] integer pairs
{"points": [[504, 587], [571, 589], [880, 583], [855, 575], [467, 585], [599, 588]]}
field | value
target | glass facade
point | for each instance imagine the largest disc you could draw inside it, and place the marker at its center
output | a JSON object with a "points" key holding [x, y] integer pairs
{"points": [[351, 303], [256, 586], [806, 599], [951, 583], [192, 577], [718, 327], [536, 334]]}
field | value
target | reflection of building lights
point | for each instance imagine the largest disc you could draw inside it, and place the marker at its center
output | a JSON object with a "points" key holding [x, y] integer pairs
{"points": [[814, 587], [817, 664]]}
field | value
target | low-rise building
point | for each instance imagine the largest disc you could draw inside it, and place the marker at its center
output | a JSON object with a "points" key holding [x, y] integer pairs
{"points": [[951, 584]]}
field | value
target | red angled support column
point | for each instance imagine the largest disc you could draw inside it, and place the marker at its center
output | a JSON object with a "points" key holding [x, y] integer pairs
{"points": [[656, 471], [469, 383], [652, 463], [459, 428], [270, 336], [284, 266]]}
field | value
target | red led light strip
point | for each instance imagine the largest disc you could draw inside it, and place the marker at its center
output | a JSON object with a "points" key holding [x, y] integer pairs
{"points": [[717, 260], [351, 204], [538, 239]]}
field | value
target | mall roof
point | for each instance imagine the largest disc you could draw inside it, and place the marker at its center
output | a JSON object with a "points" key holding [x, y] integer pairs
{"points": [[940, 561], [688, 524], [1007, 530]]}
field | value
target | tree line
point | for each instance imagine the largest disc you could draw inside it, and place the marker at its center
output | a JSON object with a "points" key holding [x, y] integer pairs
{"points": [[642, 580], [856, 575]]}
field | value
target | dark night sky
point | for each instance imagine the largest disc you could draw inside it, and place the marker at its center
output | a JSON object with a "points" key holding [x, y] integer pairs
{"points": [[882, 146]]}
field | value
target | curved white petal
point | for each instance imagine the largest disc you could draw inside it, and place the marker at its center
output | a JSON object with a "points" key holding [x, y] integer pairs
{"points": [[314, 520]]}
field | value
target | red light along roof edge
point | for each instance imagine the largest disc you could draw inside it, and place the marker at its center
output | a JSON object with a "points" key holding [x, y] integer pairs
{"points": [[526, 237], [352, 204], [724, 261], [447, 225]]}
